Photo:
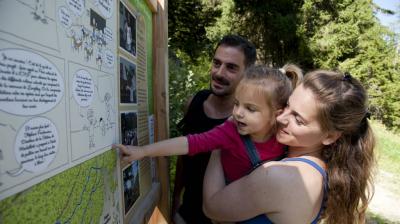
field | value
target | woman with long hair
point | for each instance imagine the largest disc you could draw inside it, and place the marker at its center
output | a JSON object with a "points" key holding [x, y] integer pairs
{"points": [[328, 170]]}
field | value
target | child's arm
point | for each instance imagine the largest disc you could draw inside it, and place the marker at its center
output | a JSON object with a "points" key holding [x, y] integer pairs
{"points": [[169, 147]]}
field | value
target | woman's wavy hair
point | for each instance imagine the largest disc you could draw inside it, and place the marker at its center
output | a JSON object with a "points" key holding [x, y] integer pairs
{"points": [[342, 103]]}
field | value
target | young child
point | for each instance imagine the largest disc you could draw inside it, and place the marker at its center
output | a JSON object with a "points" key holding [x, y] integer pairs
{"points": [[259, 98]]}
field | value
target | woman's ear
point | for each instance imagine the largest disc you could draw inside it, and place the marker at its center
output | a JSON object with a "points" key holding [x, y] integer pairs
{"points": [[331, 137], [278, 112]]}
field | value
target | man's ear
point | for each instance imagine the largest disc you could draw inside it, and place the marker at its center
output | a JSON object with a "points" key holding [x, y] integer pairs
{"points": [[331, 137]]}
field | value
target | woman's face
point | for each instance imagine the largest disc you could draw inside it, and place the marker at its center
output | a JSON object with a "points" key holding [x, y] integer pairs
{"points": [[298, 126]]}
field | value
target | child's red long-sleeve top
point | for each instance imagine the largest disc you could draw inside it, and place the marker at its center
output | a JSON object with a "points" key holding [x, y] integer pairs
{"points": [[234, 158]]}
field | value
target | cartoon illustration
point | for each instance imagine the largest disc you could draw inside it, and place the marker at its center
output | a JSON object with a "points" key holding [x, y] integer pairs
{"points": [[76, 40], [88, 50], [107, 123], [47, 42], [39, 13], [91, 39], [109, 109], [90, 127], [99, 57]]}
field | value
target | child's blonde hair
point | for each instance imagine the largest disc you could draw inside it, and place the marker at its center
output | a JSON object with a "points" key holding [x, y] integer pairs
{"points": [[275, 85]]}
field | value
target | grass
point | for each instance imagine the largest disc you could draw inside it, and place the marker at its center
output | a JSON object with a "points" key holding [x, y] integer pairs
{"points": [[388, 158], [388, 148], [378, 219], [388, 154]]}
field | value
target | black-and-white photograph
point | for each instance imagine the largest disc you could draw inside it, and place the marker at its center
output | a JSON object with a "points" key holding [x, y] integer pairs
{"points": [[129, 128], [97, 21], [127, 80], [131, 185], [127, 29]]}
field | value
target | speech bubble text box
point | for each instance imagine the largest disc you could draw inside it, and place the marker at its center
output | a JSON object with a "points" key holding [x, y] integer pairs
{"points": [[83, 88], [36, 144], [65, 17], [30, 84], [105, 7], [76, 6]]}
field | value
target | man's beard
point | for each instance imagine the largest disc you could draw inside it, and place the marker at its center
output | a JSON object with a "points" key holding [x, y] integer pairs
{"points": [[221, 94], [221, 81]]}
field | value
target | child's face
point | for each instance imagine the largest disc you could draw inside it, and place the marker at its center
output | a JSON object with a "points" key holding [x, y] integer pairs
{"points": [[252, 114]]}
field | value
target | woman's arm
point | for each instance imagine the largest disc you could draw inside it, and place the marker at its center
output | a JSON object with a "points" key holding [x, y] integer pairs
{"points": [[169, 147], [245, 198], [289, 192]]}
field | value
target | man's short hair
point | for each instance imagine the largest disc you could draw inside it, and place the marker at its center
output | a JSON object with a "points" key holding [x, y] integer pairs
{"points": [[241, 43]]}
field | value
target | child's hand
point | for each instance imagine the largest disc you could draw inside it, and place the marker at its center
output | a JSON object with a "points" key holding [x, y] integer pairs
{"points": [[130, 153]]}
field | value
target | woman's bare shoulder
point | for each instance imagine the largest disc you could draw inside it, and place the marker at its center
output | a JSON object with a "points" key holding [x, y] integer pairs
{"points": [[296, 186], [291, 174]]}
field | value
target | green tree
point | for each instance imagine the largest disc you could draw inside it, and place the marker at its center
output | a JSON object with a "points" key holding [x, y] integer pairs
{"points": [[347, 36], [191, 47], [272, 27], [187, 22], [339, 34], [184, 80]]}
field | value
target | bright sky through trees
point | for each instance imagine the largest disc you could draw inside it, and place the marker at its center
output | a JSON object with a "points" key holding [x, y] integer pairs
{"points": [[388, 20]]}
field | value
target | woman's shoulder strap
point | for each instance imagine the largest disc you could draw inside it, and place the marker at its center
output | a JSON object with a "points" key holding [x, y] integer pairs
{"points": [[309, 162], [325, 183]]}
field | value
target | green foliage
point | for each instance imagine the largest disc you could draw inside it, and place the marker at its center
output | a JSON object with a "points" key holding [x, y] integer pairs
{"points": [[375, 68], [347, 36], [388, 150], [377, 219], [187, 22], [388, 158], [223, 25], [193, 32], [335, 37], [272, 27], [184, 80], [340, 34]]}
